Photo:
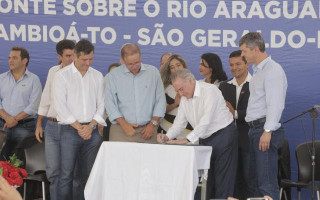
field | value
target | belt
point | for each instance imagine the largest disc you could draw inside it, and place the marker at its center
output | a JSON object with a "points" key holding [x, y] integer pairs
{"points": [[85, 123], [139, 126], [257, 122], [52, 119], [22, 121]]}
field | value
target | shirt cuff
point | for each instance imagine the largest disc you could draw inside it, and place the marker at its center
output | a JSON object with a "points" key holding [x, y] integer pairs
{"points": [[192, 137], [68, 121], [42, 112], [236, 114], [30, 112], [114, 116], [271, 127], [169, 135], [99, 120]]}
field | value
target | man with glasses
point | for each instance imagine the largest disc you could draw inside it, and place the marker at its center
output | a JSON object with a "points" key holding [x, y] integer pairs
{"points": [[135, 99]]}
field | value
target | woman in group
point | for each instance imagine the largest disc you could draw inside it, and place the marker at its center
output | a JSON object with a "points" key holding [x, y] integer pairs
{"points": [[175, 62], [211, 68]]}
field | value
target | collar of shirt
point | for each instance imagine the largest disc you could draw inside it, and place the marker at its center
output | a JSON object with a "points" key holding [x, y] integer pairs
{"points": [[60, 67], [75, 70], [196, 90], [26, 73], [234, 81], [261, 65]]}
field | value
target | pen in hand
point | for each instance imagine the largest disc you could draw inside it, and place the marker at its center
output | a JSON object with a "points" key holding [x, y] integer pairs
{"points": [[162, 138]]}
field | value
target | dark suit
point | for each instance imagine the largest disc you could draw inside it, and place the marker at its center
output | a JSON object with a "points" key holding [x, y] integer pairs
{"points": [[229, 93], [242, 190]]}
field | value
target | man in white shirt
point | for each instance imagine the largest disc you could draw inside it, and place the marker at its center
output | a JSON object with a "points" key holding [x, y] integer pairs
{"points": [[203, 106], [65, 53], [78, 100], [236, 93]]}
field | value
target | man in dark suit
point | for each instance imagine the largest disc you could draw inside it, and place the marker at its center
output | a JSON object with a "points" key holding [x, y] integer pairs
{"points": [[236, 93]]}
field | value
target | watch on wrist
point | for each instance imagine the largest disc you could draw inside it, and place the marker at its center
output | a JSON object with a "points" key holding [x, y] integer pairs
{"points": [[93, 126], [267, 130], [154, 122]]}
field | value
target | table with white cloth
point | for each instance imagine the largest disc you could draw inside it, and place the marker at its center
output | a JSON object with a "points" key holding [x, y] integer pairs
{"points": [[140, 171]]}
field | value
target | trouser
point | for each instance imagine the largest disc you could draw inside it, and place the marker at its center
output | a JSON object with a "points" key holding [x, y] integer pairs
{"points": [[223, 164], [52, 151], [117, 134], [15, 135], [72, 145], [264, 164]]}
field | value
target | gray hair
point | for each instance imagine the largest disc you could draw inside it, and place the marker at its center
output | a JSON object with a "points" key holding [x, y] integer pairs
{"points": [[253, 39], [166, 53], [129, 49], [184, 74]]}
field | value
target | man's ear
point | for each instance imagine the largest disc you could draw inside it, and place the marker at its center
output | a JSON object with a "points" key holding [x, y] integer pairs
{"points": [[59, 57], [25, 60], [256, 49]]}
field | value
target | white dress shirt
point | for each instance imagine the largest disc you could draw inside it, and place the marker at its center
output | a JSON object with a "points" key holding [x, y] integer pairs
{"points": [[238, 90], [46, 103], [268, 88], [206, 111], [78, 98], [216, 82]]}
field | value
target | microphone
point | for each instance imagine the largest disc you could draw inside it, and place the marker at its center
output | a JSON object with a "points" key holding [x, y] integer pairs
{"points": [[317, 107]]}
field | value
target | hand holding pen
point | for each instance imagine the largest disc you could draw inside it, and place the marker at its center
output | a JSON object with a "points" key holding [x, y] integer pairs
{"points": [[162, 138]]}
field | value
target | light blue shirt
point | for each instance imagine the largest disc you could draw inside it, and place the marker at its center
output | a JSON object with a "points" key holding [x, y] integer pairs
{"points": [[135, 98], [268, 88], [23, 95]]}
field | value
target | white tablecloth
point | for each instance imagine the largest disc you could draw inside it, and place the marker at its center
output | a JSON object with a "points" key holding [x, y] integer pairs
{"points": [[137, 171]]}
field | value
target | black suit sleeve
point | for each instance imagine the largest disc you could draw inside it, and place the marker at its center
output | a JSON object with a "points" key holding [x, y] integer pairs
{"points": [[242, 114]]}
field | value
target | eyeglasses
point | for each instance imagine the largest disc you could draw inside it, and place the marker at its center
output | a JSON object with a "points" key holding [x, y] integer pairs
{"points": [[133, 64]]}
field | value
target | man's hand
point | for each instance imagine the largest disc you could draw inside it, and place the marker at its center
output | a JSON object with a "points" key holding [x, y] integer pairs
{"points": [[7, 191], [39, 130], [10, 122], [148, 131], [265, 139], [181, 141], [85, 132], [100, 129], [231, 109], [177, 100], [129, 128], [162, 138], [39, 133]]}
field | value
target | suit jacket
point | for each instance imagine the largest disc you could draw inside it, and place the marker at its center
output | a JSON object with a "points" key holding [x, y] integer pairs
{"points": [[229, 93]]}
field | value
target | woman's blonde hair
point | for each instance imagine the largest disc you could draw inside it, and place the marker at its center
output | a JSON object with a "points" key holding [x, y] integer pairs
{"points": [[165, 69]]}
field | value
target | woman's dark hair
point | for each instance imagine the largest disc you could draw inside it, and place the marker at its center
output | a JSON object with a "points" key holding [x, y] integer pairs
{"points": [[214, 62]]}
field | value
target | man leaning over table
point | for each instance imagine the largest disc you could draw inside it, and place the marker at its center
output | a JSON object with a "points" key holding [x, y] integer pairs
{"points": [[135, 99], [203, 106], [79, 83]]}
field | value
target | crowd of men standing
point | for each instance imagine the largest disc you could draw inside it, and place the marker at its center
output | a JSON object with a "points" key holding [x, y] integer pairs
{"points": [[239, 118]]}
